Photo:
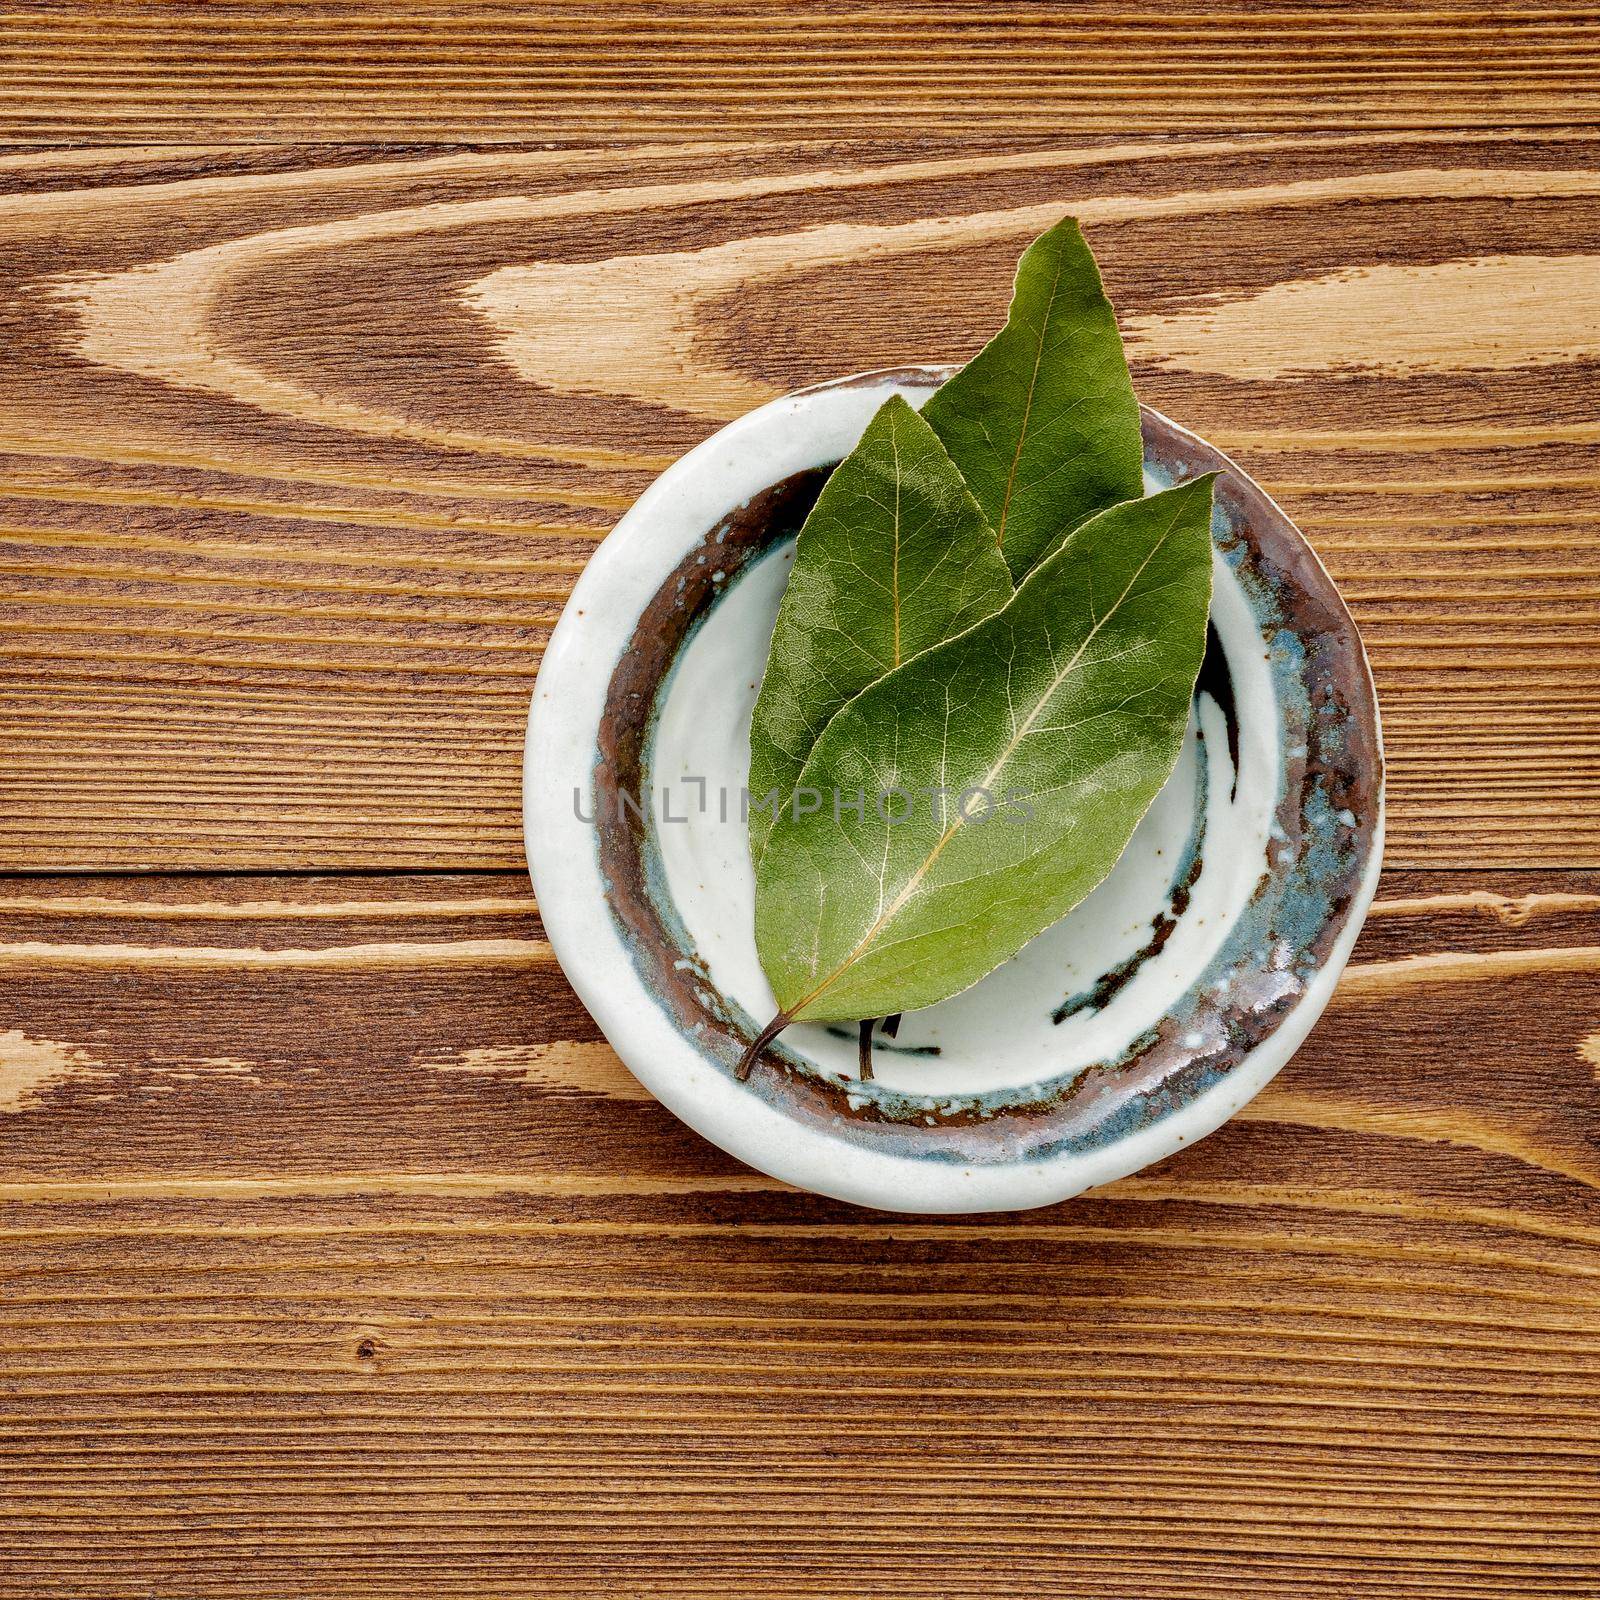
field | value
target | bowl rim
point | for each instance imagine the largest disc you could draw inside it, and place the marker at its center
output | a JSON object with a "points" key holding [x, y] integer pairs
{"points": [[564, 859]]}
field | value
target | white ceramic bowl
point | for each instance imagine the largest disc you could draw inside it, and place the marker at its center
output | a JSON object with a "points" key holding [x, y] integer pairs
{"points": [[1135, 1026]]}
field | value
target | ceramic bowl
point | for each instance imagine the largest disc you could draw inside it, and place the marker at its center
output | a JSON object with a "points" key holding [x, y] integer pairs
{"points": [[1134, 1026]]}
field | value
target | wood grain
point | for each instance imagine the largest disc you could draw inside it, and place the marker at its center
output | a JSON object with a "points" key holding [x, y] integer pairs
{"points": [[301, 450], [491, 69], [342, 1259]]}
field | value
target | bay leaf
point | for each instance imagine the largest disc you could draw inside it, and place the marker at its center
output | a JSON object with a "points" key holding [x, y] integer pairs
{"points": [[894, 558], [1042, 422], [1066, 708]]}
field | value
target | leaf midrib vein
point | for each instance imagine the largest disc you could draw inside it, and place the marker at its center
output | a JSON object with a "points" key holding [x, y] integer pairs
{"points": [[1027, 409], [894, 446]]}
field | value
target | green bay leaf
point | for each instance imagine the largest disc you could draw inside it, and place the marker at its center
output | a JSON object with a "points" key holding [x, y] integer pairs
{"points": [[1042, 422], [1067, 708], [894, 558]]}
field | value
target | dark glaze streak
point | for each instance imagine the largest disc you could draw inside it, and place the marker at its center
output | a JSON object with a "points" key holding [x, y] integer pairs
{"points": [[1111, 982], [879, 1043], [1217, 681]]}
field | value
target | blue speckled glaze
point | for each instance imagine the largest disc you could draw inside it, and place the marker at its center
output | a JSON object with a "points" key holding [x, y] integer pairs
{"points": [[1324, 833]]}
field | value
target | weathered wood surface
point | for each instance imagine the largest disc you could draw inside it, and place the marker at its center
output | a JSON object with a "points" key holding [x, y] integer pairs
{"points": [[499, 69], [302, 449], [343, 1260]]}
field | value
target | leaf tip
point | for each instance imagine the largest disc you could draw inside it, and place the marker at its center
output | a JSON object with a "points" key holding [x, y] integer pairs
{"points": [[895, 409]]}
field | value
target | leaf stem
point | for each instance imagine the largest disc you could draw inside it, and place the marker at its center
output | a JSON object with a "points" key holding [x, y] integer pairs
{"points": [[760, 1043], [864, 1051]]}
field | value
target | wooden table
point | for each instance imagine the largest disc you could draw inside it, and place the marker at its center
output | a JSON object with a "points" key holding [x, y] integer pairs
{"points": [[342, 1258]]}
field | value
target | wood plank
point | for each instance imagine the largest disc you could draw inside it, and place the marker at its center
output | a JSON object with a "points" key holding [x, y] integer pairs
{"points": [[301, 451], [367, 1277], [490, 69]]}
